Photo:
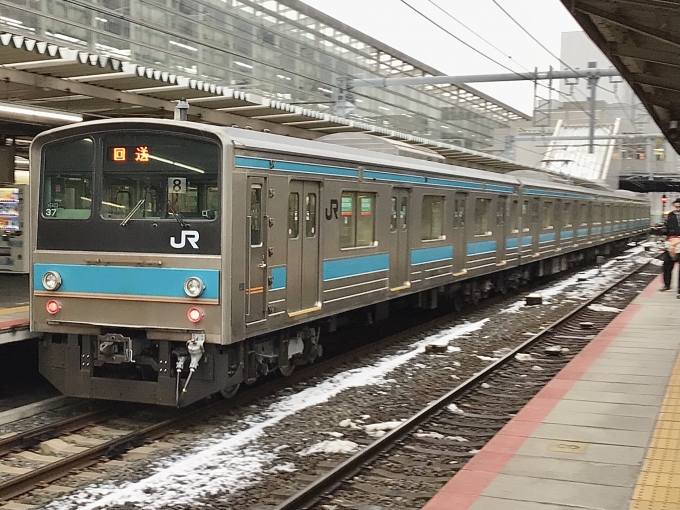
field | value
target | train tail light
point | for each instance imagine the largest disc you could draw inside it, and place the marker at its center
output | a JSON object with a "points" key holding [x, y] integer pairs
{"points": [[195, 314], [52, 306]]}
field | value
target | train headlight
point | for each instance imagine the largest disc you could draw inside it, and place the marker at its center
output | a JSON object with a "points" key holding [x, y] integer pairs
{"points": [[194, 286], [51, 280]]}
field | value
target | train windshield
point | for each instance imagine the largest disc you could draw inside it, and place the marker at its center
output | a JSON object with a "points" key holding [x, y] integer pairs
{"points": [[158, 176]]}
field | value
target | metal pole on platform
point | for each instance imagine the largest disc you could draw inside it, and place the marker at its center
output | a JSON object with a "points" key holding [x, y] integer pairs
{"points": [[592, 81]]}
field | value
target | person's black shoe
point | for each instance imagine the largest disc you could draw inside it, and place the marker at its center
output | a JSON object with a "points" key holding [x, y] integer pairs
{"points": [[665, 288]]}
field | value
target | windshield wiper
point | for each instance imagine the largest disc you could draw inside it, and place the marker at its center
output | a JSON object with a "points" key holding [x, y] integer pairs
{"points": [[178, 216], [131, 213]]}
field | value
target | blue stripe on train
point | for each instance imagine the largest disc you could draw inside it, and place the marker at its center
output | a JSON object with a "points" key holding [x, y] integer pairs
{"points": [[123, 280], [292, 166], [434, 254], [511, 243], [481, 247], [354, 266], [567, 234], [546, 238]]}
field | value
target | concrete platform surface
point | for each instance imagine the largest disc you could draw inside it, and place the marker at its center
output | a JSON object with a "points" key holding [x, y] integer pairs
{"points": [[604, 434]]}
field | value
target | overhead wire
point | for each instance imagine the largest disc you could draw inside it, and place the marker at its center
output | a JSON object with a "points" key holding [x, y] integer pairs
{"points": [[494, 61], [542, 46]]}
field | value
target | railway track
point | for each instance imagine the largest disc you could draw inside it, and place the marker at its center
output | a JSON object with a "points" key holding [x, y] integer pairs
{"points": [[406, 466], [85, 455]]}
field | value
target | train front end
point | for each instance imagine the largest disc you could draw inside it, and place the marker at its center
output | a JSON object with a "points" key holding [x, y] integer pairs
{"points": [[127, 272]]}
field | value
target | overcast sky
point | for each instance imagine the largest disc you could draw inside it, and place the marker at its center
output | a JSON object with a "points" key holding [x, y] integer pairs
{"points": [[394, 23]]}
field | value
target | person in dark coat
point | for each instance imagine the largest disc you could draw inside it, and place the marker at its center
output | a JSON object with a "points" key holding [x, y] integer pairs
{"points": [[672, 230]]}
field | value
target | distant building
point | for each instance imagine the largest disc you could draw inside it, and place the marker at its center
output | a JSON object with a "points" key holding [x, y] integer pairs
{"points": [[280, 49]]}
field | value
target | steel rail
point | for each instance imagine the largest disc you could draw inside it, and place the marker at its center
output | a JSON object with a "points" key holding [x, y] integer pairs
{"points": [[71, 424], [308, 496]]}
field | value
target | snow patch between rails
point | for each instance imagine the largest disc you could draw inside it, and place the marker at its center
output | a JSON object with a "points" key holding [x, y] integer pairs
{"points": [[603, 308], [334, 446], [228, 462]]}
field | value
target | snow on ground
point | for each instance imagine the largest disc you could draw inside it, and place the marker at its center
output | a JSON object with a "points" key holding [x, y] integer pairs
{"points": [[592, 280], [603, 308], [334, 446], [228, 462]]}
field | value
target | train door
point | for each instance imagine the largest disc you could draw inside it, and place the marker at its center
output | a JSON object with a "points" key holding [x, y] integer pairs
{"points": [[256, 257], [302, 267], [499, 231], [459, 239], [400, 262]]}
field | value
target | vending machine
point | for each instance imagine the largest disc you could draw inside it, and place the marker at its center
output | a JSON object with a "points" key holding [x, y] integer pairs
{"points": [[14, 228]]}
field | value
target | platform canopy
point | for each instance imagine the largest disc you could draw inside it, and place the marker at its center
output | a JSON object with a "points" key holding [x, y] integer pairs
{"points": [[642, 39]]}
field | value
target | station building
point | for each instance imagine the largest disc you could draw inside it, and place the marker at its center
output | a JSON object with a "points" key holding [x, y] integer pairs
{"points": [[280, 49]]}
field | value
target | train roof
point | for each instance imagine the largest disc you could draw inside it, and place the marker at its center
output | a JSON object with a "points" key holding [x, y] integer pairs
{"points": [[256, 140]]}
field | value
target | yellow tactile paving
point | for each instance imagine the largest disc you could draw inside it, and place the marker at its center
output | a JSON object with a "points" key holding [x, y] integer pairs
{"points": [[658, 486], [16, 309]]}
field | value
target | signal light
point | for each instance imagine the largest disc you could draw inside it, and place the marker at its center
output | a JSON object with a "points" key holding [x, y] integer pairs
{"points": [[664, 199], [52, 306], [195, 314]]}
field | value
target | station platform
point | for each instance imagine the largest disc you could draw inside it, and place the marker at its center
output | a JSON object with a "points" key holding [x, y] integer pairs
{"points": [[14, 308], [603, 434]]}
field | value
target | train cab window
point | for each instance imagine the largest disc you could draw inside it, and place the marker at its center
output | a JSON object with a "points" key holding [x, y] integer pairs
{"points": [[547, 218], [310, 215], [483, 217], [357, 222], [293, 215], [67, 179], [514, 216], [432, 225], [155, 176]]}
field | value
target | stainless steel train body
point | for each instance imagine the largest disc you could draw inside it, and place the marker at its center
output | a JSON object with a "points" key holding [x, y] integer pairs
{"points": [[172, 260]]}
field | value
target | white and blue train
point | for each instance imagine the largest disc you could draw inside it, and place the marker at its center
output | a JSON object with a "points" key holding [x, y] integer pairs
{"points": [[172, 260]]}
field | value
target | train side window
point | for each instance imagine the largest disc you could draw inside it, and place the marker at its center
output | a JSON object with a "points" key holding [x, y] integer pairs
{"points": [[547, 217], [525, 216], [567, 215], [459, 211], [483, 217], [535, 207], [514, 216], [357, 224], [293, 215], [432, 225], [404, 213], [584, 214], [255, 216], [67, 179], [310, 215], [393, 214], [501, 205]]}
